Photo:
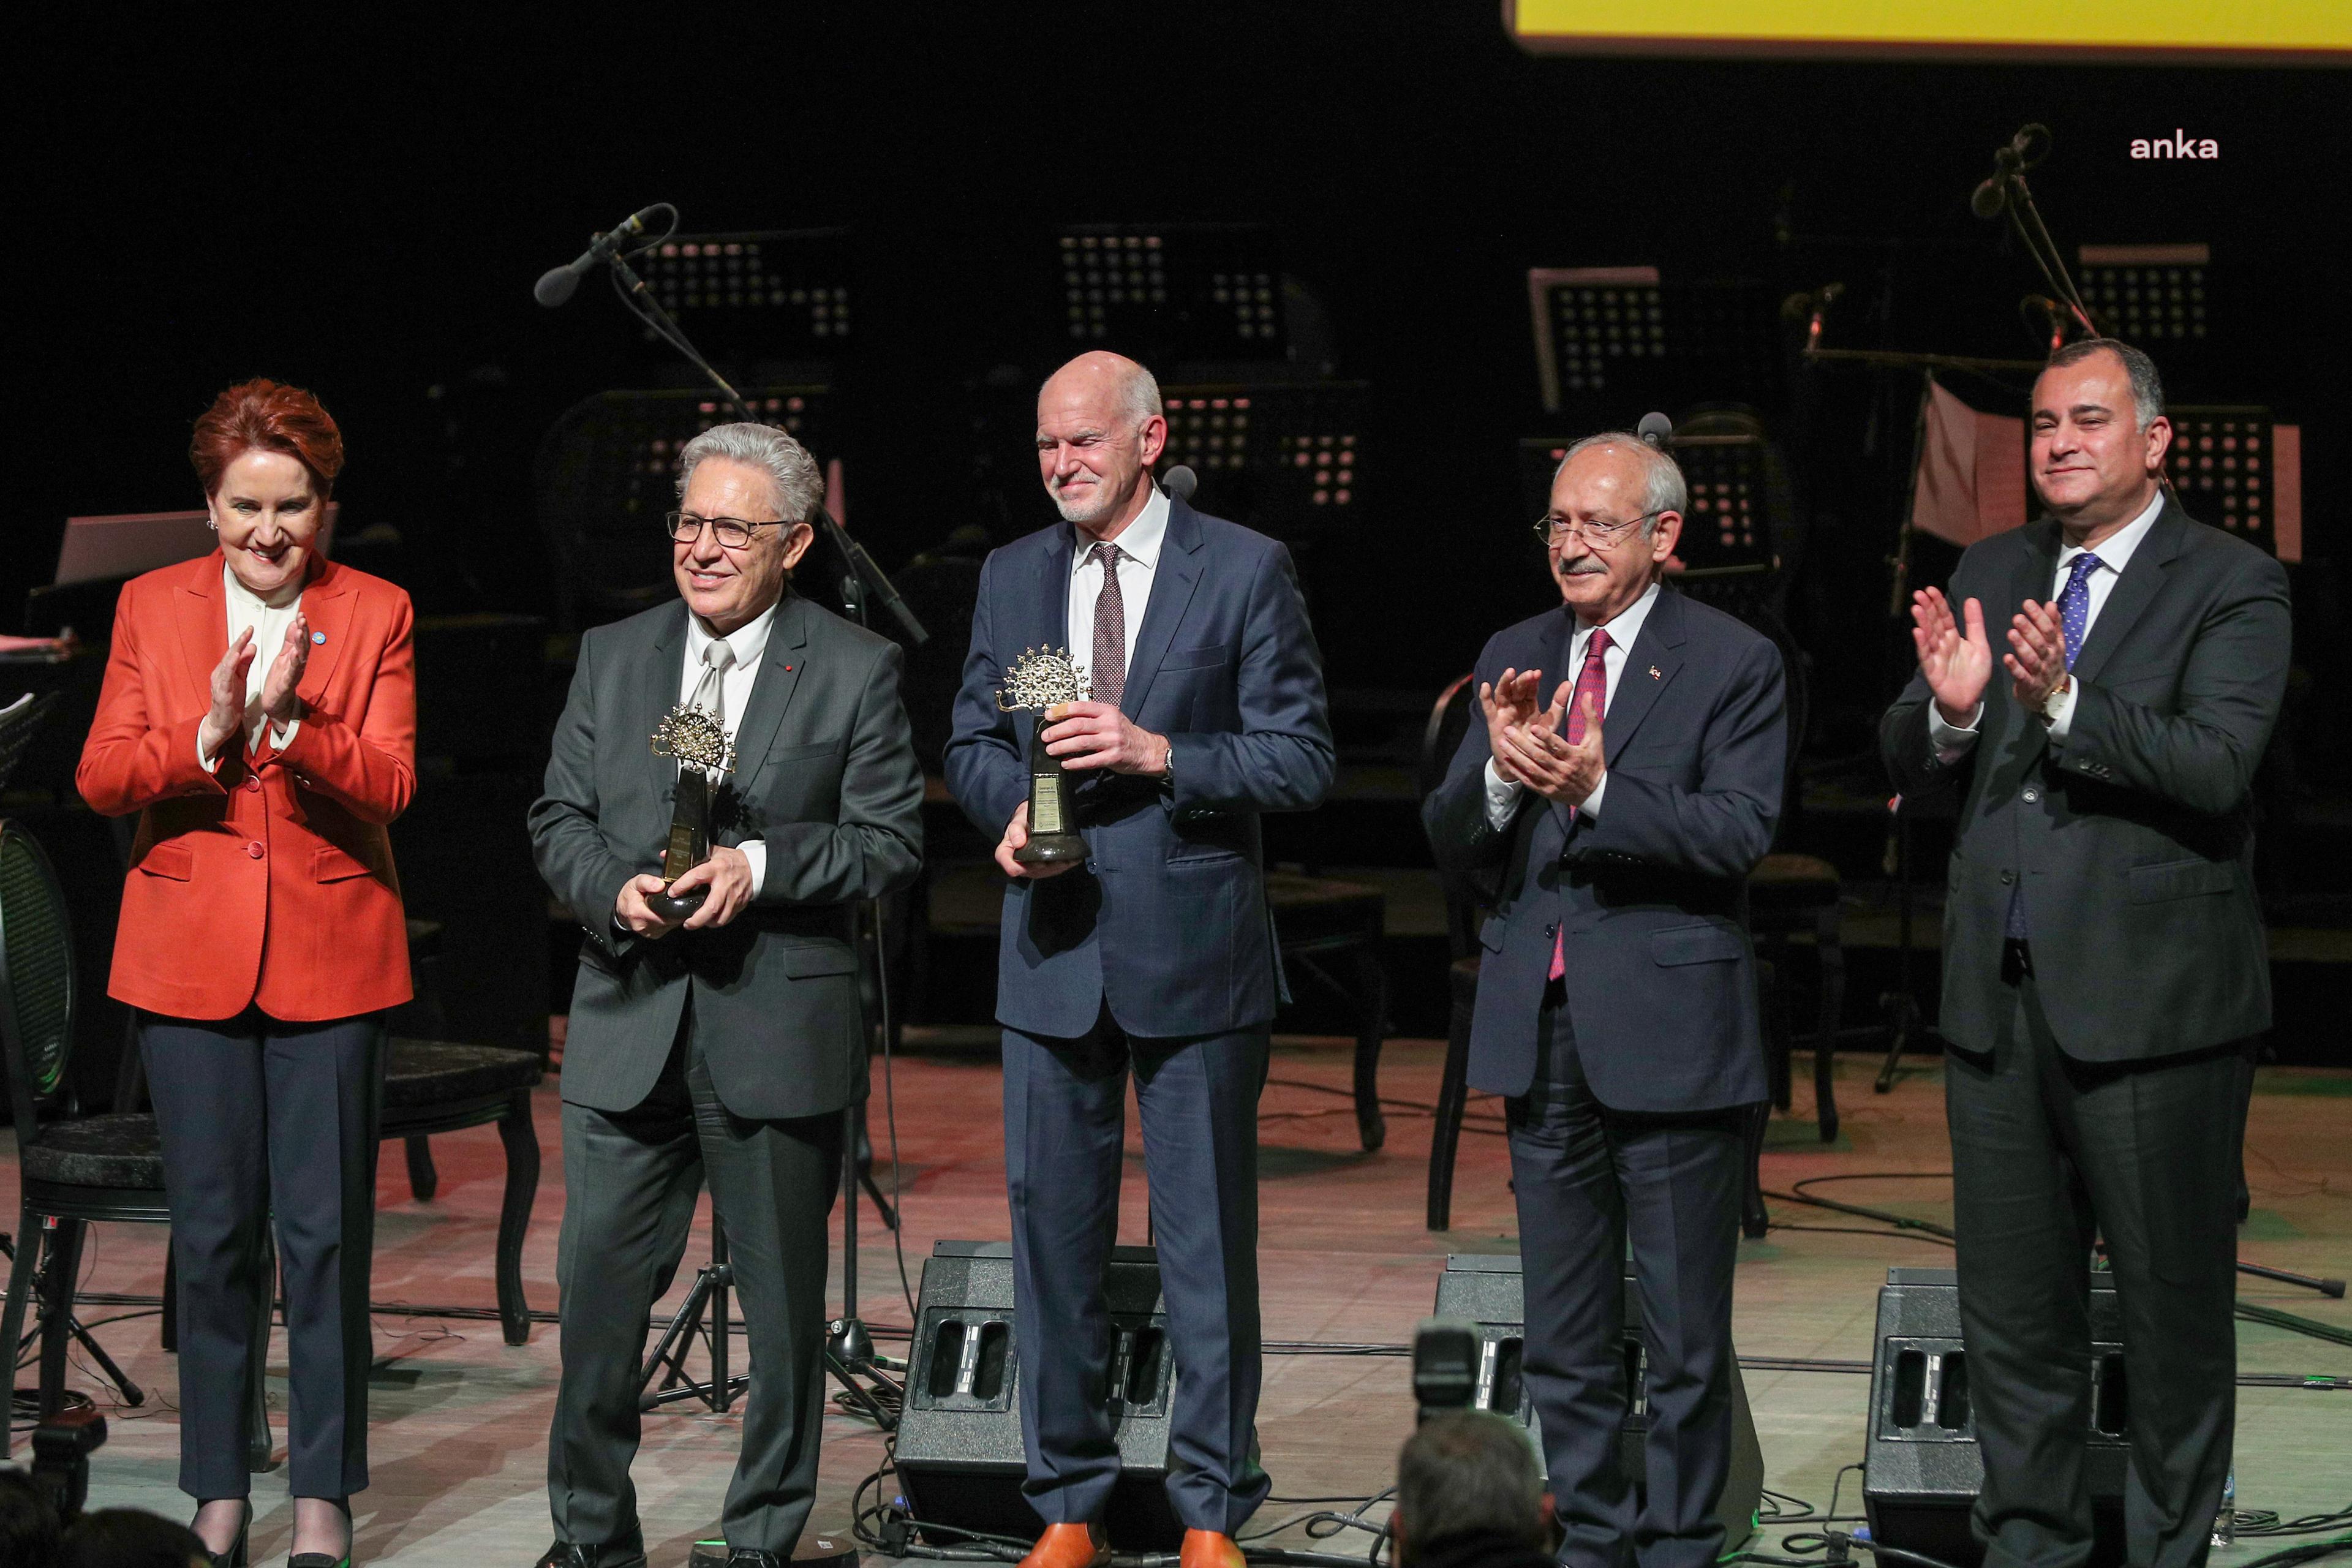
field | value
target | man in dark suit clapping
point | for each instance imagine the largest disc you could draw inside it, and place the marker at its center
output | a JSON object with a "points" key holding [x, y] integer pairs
{"points": [[2104, 960], [1155, 955], [726, 1042], [1619, 817]]}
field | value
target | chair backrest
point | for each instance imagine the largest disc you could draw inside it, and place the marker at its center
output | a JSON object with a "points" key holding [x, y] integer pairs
{"points": [[1450, 718], [36, 979], [19, 721]]}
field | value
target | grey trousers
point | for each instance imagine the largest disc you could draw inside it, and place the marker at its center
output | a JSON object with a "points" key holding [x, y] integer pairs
{"points": [[2043, 1147], [631, 1179], [260, 1117]]}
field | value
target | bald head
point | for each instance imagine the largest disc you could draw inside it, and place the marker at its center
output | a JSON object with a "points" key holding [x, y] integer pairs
{"points": [[1099, 430]]}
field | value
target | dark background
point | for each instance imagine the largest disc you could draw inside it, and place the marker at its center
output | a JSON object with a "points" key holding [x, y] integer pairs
{"points": [[361, 208]]}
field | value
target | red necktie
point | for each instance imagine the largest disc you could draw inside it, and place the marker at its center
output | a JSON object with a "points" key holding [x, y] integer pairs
{"points": [[1591, 685]]}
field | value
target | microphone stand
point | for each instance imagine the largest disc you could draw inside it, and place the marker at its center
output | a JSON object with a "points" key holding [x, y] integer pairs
{"points": [[849, 1347]]}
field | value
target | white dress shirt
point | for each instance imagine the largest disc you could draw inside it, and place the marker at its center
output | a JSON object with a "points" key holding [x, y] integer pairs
{"points": [[1501, 793], [1138, 561], [2114, 552], [750, 642], [248, 611]]}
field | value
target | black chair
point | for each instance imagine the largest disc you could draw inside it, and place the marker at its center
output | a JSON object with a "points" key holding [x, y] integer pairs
{"points": [[1319, 920], [1449, 720], [73, 1170]]}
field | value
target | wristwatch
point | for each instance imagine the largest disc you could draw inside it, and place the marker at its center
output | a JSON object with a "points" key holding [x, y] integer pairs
{"points": [[2051, 704]]}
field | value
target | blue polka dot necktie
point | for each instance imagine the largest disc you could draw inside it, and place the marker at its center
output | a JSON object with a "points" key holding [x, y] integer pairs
{"points": [[2074, 620]]}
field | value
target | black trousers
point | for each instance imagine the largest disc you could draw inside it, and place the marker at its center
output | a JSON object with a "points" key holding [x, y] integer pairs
{"points": [[631, 1179], [260, 1117], [1065, 1130], [1589, 1179], [2044, 1147]]}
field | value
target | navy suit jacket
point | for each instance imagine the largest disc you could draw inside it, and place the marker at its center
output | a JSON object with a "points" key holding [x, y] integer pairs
{"points": [[1166, 920], [1661, 984]]}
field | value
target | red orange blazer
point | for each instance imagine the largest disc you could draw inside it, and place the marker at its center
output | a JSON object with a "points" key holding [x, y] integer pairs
{"points": [[267, 882]]}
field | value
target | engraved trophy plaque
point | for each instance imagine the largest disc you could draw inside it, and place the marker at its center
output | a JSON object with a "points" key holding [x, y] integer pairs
{"points": [[1038, 679], [705, 755]]}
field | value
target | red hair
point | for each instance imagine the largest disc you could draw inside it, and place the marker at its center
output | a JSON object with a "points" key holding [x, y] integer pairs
{"points": [[263, 414]]}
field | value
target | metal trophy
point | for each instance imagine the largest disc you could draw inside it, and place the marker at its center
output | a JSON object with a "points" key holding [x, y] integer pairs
{"points": [[1038, 679], [705, 755]]}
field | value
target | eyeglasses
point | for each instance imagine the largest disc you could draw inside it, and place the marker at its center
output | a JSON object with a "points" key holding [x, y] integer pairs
{"points": [[1554, 529], [734, 533]]}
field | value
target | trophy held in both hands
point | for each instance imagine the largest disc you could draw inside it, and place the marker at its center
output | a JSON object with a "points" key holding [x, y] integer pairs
{"points": [[1039, 679], [705, 755]]}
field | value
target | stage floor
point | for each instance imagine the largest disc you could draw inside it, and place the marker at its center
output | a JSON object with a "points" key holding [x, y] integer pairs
{"points": [[459, 1422]]}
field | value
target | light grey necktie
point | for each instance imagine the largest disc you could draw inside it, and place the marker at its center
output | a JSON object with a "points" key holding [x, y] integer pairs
{"points": [[710, 692]]}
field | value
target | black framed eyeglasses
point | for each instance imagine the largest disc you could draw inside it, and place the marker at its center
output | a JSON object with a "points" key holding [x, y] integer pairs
{"points": [[734, 533], [1553, 528]]}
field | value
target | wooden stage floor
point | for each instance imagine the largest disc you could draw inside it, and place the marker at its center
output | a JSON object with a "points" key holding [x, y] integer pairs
{"points": [[460, 1419]]}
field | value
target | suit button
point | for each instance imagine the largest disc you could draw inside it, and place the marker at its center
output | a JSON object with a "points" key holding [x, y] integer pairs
{"points": [[254, 850], [2007, 878], [253, 781], [1552, 930], [2032, 795]]}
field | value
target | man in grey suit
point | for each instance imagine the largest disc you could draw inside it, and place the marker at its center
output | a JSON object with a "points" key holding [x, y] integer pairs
{"points": [[1156, 955], [729, 1041], [2104, 958], [1626, 781]]}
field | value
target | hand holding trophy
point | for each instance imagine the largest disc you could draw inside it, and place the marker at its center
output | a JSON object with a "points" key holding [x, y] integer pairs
{"points": [[1040, 678], [705, 755]]}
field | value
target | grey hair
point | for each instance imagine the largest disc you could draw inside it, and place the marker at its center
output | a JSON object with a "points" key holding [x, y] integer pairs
{"points": [[1663, 488], [798, 483], [2148, 387], [1468, 1471], [1139, 393]]}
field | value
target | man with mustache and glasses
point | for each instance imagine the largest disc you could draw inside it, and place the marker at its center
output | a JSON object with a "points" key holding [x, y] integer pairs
{"points": [[2105, 968], [1626, 779], [1155, 957]]}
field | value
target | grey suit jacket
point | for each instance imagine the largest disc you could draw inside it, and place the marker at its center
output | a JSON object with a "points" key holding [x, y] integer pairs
{"points": [[2134, 840], [1167, 921], [825, 776]]}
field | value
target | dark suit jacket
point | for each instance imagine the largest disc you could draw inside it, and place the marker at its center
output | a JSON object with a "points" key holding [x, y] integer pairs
{"points": [[1166, 920], [2134, 838], [824, 775], [1661, 983]]}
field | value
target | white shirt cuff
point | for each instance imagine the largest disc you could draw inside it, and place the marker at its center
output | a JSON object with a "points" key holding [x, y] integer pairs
{"points": [[756, 852], [211, 765], [1592, 806], [2062, 717], [1502, 797], [282, 735], [1952, 741]]}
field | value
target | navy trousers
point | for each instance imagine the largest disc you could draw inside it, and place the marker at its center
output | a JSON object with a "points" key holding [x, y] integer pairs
{"points": [[260, 1117], [1065, 1127], [1589, 1179], [2046, 1148]]}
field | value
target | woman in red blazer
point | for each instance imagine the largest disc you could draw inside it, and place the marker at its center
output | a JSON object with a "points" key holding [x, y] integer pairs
{"points": [[259, 713]]}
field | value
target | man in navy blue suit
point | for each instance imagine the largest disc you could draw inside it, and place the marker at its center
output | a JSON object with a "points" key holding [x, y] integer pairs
{"points": [[1155, 955], [1618, 818]]}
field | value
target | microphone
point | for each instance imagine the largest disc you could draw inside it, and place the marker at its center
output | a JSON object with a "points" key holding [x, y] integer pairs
{"points": [[557, 283], [2027, 148], [1656, 429], [1180, 482]]}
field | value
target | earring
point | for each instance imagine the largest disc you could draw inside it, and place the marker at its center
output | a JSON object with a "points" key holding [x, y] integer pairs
{"points": [[211, 524]]}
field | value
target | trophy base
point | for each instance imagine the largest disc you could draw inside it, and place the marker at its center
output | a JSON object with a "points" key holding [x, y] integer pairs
{"points": [[678, 909], [1052, 849]]}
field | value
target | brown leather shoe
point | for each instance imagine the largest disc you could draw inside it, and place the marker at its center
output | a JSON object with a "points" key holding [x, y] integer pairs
{"points": [[1208, 1549], [1075, 1546]]}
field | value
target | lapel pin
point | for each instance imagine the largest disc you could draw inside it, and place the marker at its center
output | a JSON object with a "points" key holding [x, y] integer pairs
{"points": [[316, 638], [1654, 673]]}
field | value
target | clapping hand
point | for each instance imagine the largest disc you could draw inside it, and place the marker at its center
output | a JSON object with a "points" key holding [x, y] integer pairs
{"points": [[1540, 756], [1514, 701], [1957, 665], [226, 717], [278, 698], [2037, 661]]}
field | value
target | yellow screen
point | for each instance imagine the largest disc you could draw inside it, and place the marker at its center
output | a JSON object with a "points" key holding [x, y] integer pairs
{"points": [[2316, 32]]}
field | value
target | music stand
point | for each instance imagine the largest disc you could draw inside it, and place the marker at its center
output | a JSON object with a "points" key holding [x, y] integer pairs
{"points": [[1628, 336], [1287, 456], [2152, 295], [1174, 293], [759, 297], [2240, 471]]}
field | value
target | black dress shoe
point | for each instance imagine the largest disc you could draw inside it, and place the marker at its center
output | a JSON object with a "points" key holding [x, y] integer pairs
{"points": [[754, 1557], [584, 1554]]}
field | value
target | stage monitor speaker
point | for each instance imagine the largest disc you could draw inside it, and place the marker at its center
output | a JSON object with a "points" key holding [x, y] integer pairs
{"points": [[960, 1454], [1486, 1291], [1921, 1466]]}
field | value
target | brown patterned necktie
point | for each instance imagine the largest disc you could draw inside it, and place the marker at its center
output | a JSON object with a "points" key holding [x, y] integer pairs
{"points": [[1109, 671]]}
